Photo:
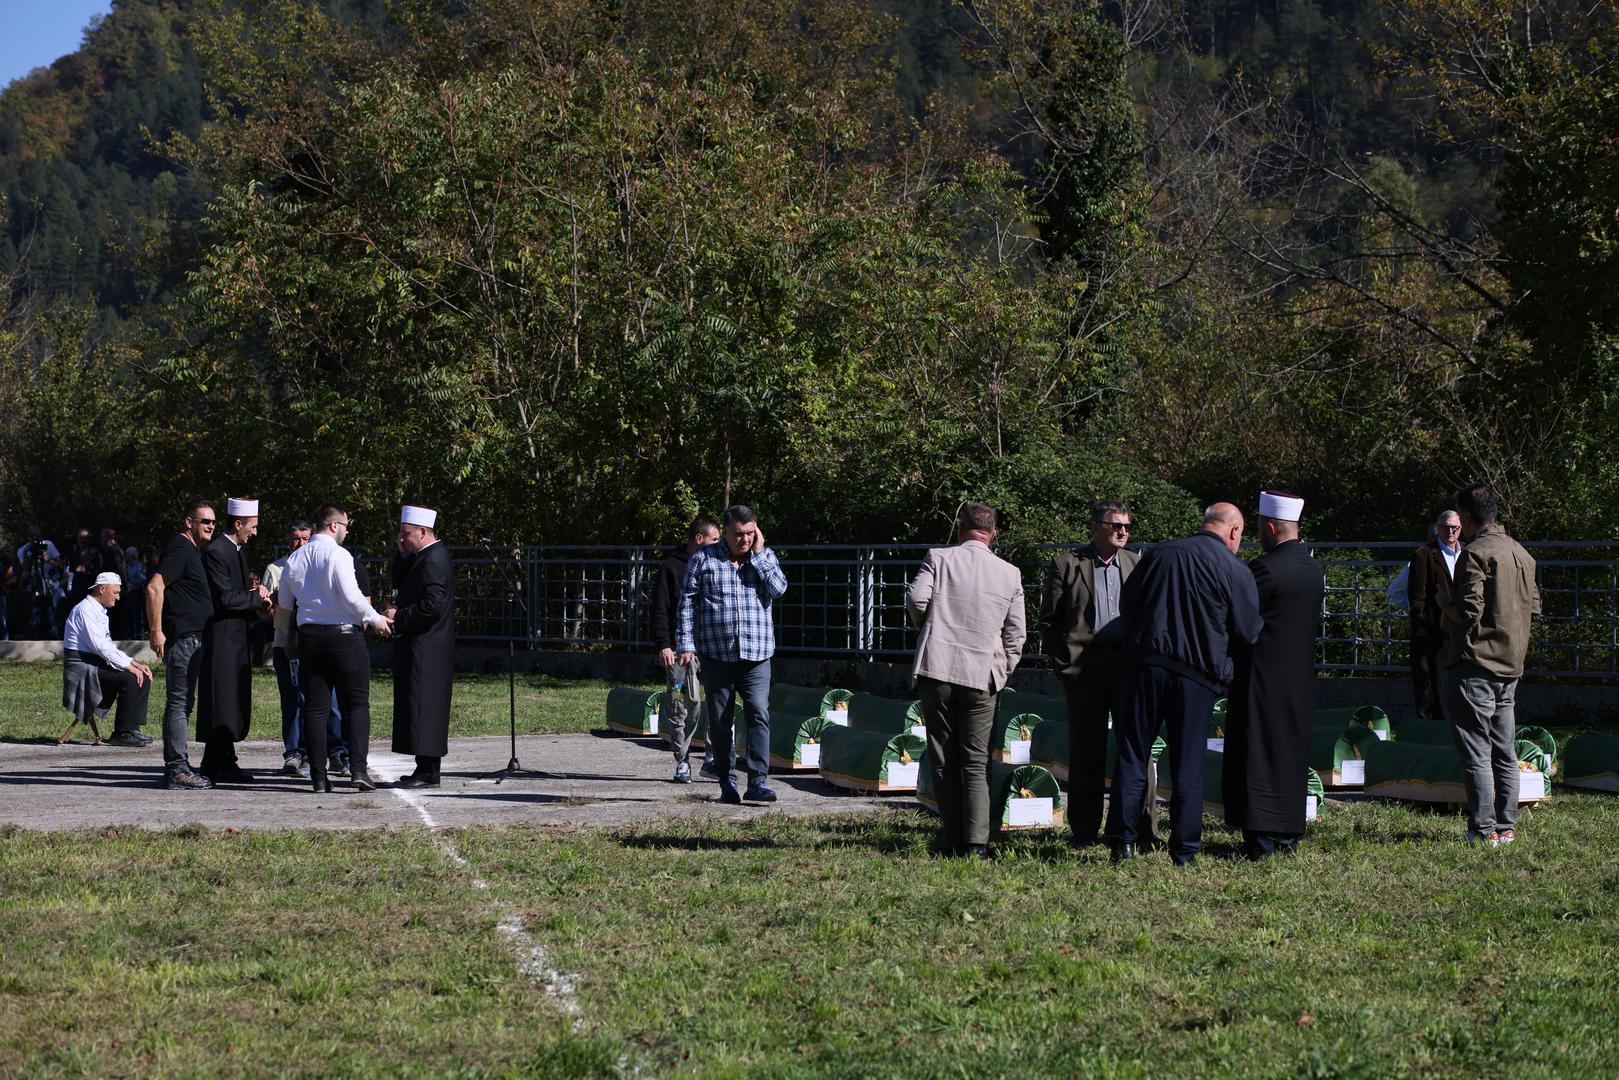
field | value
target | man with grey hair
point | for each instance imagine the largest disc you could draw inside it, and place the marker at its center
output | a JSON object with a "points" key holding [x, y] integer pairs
{"points": [[1433, 567], [1488, 612], [1182, 607], [968, 604]]}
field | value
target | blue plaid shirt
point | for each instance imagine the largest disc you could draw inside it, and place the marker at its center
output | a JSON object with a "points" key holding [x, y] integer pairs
{"points": [[725, 606]]}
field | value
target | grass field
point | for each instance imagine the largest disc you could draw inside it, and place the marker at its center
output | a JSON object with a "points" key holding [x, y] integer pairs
{"points": [[832, 947], [31, 704]]}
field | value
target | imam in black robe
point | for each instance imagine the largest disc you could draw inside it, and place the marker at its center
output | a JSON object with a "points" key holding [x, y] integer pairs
{"points": [[1267, 747], [225, 690], [424, 651]]}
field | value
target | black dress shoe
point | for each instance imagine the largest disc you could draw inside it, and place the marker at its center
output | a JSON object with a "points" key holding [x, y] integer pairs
{"points": [[229, 774], [322, 786], [416, 780], [362, 781], [127, 738], [1124, 851]]}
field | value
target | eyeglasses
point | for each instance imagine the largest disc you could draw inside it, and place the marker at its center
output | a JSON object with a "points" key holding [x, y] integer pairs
{"points": [[1450, 528], [1116, 526], [205, 521]]}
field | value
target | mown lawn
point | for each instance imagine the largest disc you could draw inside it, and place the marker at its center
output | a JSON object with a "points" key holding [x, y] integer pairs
{"points": [[832, 947], [31, 703]]}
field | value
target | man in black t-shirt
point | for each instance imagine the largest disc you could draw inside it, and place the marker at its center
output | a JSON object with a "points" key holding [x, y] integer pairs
{"points": [[178, 606]]}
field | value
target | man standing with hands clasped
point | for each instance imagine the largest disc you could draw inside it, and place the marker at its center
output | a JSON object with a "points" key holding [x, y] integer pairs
{"points": [[968, 604], [424, 644], [1267, 747], [725, 619], [330, 616]]}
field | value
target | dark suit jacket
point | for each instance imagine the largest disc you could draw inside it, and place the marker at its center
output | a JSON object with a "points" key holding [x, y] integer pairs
{"points": [[1428, 572], [1064, 622]]}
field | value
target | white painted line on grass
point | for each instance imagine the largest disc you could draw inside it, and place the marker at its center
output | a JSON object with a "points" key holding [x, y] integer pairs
{"points": [[532, 960]]}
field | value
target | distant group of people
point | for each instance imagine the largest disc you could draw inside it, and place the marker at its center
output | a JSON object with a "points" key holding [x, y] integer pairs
{"points": [[202, 603], [39, 584]]}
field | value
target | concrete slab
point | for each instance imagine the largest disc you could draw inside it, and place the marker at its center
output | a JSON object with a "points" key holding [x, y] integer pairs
{"points": [[586, 780]]}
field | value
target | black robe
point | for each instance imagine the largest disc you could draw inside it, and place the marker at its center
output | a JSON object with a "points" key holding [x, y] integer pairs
{"points": [[225, 690], [424, 651], [1267, 747]]}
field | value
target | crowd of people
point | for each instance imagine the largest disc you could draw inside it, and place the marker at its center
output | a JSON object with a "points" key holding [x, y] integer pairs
{"points": [[39, 584], [1142, 641]]}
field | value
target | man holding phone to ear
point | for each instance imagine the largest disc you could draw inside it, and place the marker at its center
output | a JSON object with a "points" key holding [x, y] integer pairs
{"points": [[725, 619]]}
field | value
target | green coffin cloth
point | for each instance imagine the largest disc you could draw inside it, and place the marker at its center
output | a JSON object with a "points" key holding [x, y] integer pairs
{"points": [[1313, 790], [1213, 772], [1415, 771], [633, 712], [799, 701], [1544, 742], [1012, 703], [789, 739], [1010, 733], [1591, 762], [1428, 731], [1369, 715], [1534, 755], [870, 760], [1049, 748], [1006, 783], [1331, 746], [870, 712]]}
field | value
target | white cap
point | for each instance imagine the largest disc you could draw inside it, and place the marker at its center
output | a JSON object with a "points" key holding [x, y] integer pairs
{"points": [[108, 578], [418, 515], [242, 507], [1280, 507]]}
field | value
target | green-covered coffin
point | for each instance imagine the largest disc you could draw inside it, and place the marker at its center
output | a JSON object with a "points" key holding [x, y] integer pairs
{"points": [[1020, 796], [1427, 731], [872, 712], [799, 701], [1011, 739], [1420, 772], [1591, 762], [863, 760], [1369, 715], [1012, 703], [1213, 778], [1338, 753], [633, 712], [796, 746], [1048, 748], [1315, 796]]}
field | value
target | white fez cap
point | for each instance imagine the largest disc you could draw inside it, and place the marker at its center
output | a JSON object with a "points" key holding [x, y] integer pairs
{"points": [[108, 578], [1280, 507], [418, 515], [242, 507]]}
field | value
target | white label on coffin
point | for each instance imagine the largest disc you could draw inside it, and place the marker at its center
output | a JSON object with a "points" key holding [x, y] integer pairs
{"points": [[1352, 771], [840, 717], [1022, 812], [1532, 784], [1017, 752], [903, 775], [919, 730], [1309, 807], [1217, 745], [1380, 733], [809, 756], [652, 724]]}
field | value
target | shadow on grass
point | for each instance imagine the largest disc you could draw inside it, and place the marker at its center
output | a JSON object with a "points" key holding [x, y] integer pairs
{"points": [[661, 842]]}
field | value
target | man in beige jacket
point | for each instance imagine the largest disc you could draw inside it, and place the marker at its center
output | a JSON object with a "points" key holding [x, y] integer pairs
{"points": [[968, 605]]}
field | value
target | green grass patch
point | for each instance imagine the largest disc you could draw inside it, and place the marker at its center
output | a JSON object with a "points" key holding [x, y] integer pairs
{"points": [[31, 703], [830, 947]]}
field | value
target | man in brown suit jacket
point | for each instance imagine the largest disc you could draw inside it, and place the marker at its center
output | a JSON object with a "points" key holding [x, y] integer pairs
{"points": [[968, 604], [1078, 630]]}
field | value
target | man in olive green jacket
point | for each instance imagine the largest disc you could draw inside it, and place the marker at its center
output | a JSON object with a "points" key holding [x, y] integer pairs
{"points": [[1078, 630], [1488, 612]]}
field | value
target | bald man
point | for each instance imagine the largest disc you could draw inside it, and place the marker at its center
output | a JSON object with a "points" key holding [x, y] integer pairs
{"points": [[1186, 601]]}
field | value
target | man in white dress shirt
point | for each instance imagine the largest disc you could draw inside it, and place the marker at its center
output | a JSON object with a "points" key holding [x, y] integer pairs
{"points": [[330, 617], [96, 672]]}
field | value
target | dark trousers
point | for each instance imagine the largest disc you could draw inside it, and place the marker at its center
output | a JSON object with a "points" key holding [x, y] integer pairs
{"points": [[723, 682], [1154, 694], [427, 767], [1425, 664], [1258, 845], [959, 721], [329, 660], [1091, 695], [292, 707], [120, 686]]}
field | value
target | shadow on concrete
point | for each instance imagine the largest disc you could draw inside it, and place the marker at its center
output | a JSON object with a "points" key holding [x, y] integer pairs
{"points": [[149, 777]]}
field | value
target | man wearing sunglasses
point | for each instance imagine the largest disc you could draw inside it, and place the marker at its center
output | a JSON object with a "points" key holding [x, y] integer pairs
{"points": [[178, 607], [1433, 567], [1079, 631]]}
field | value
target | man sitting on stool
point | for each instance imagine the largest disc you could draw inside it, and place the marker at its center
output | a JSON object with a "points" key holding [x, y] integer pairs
{"points": [[95, 672]]}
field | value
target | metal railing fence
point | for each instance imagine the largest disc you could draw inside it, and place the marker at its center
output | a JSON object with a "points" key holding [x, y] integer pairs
{"points": [[848, 601]]}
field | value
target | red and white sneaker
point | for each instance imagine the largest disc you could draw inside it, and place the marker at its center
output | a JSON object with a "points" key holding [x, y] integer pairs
{"points": [[1504, 837]]}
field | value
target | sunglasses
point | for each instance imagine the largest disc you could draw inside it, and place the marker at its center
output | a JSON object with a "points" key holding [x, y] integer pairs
{"points": [[1116, 526], [205, 521]]}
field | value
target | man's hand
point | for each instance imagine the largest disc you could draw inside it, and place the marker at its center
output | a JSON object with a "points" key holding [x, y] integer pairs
{"points": [[758, 544], [390, 613], [666, 657], [157, 639], [141, 672], [384, 627], [686, 658]]}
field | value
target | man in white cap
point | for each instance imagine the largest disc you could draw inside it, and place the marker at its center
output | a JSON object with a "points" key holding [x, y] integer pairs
{"points": [[96, 673], [1267, 748], [330, 615], [424, 644], [225, 703]]}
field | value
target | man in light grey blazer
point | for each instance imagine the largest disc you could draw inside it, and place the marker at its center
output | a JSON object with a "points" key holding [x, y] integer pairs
{"points": [[968, 604]]}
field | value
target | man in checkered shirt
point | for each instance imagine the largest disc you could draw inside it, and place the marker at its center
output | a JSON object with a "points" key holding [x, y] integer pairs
{"points": [[725, 619]]}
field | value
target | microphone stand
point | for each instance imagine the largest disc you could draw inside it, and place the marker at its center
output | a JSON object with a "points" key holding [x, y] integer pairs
{"points": [[514, 595]]}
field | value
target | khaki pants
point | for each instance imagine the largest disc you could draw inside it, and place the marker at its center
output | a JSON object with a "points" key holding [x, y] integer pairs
{"points": [[959, 720]]}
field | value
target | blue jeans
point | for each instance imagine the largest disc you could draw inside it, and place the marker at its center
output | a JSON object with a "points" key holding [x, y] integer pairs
{"points": [[292, 708], [1150, 694], [182, 667], [723, 681]]}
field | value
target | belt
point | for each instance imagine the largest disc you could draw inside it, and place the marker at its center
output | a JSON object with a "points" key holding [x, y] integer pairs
{"points": [[329, 628]]}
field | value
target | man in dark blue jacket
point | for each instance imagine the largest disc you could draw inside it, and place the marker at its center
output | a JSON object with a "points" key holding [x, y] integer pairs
{"points": [[1185, 602]]}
